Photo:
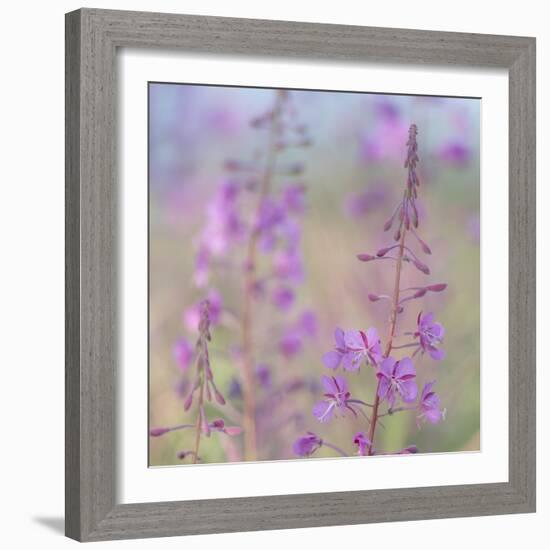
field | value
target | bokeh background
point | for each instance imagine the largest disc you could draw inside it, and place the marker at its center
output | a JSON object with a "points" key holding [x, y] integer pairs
{"points": [[354, 176]]}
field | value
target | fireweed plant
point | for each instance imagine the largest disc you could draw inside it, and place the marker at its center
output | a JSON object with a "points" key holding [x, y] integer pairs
{"points": [[396, 376], [204, 388], [260, 253]]}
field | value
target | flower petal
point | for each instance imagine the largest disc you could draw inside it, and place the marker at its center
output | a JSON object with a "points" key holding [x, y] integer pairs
{"points": [[332, 359], [437, 330], [329, 385], [383, 386], [339, 338], [405, 368], [323, 411], [408, 390], [426, 319], [427, 389], [386, 367], [342, 384], [351, 361], [372, 336], [354, 340], [437, 354]]}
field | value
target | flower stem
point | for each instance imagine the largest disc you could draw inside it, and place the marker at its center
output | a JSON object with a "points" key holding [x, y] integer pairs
{"points": [[249, 417], [389, 344], [199, 421], [334, 448], [399, 409]]}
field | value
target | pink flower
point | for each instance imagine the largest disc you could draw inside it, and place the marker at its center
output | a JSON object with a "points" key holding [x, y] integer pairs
{"points": [[183, 353], [294, 198], [283, 298], [358, 205], [456, 153], [430, 335], [337, 398], [291, 343], [363, 443], [192, 315], [429, 405], [223, 228], [397, 378], [288, 265], [307, 444], [352, 348]]}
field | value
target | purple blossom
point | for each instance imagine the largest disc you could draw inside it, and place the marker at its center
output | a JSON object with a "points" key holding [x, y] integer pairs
{"points": [[292, 340], [290, 343], [271, 213], [352, 347], [294, 198], [397, 378], [337, 399], [183, 353], [429, 405], [288, 265], [263, 373], [387, 109], [308, 324], [455, 153], [223, 120], [202, 266], [307, 444], [363, 443], [192, 315], [223, 226], [360, 204], [235, 390], [430, 335], [384, 139], [283, 298], [291, 232]]}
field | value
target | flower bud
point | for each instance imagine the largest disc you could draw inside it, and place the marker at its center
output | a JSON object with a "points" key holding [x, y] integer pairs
{"points": [[365, 257], [188, 402], [421, 267], [419, 293], [438, 287], [219, 397], [426, 248], [156, 432]]}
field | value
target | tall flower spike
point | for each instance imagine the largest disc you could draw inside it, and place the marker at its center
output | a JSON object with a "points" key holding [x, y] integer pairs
{"points": [[273, 230], [204, 384], [396, 377]]}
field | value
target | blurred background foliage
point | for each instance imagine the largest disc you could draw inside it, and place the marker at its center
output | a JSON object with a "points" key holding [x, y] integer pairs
{"points": [[354, 176]]}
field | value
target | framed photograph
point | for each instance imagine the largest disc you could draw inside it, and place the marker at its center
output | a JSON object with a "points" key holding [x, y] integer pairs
{"points": [[300, 275]]}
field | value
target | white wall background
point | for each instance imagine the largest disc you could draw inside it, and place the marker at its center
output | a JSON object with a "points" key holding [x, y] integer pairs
{"points": [[31, 274]]}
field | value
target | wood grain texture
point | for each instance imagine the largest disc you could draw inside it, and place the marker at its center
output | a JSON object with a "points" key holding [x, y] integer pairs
{"points": [[92, 38]]}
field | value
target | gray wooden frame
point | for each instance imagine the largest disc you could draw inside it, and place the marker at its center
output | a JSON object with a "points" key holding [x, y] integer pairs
{"points": [[92, 39]]}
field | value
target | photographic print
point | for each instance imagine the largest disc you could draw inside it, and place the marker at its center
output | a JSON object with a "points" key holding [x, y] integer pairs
{"points": [[314, 274]]}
